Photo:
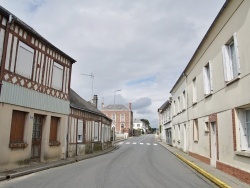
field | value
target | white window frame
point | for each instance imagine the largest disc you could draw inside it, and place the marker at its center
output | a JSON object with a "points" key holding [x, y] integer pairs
{"points": [[194, 91], [231, 66], [244, 130], [122, 118], [25, 58], [207, 78], [179, 104], [196, 130], [114, 117], [80, 131], [57, 77], [184, 100]]}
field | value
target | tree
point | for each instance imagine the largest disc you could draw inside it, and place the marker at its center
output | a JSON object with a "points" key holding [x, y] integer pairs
{"points": [[147, 124]]}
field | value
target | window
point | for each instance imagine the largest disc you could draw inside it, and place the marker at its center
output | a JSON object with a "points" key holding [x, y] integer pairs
{"points": [[80, 131], [179, 133], [206, 127], [24, 62], [138, 125], [96, 131], [194, 91], [244, 117], [183, 100], [207, 79], [57, 76], [231, 59], [122, 117], [195, 130], [53, 131], [114, 117], [17, 127], [179, 103], [174, 109]]}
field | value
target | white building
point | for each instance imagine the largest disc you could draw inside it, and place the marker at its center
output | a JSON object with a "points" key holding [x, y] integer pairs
{"points": [[215, 121], [139, 125]]}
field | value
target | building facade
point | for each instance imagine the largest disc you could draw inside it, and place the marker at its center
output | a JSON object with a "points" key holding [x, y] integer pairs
{"points": [[122, 117], [216, 83], [88, 129], [165, 124], [139, 125], [34, 95]]}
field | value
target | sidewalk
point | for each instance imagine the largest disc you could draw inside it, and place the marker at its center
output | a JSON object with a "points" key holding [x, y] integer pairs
{"points": [[39, 166], [218, 177]]}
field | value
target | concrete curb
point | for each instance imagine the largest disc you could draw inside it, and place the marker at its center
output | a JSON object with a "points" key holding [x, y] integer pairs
{"points": [[200, 170], [204, 173], [66, 162]]}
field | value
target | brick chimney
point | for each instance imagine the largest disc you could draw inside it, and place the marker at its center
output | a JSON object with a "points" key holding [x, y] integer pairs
{"points": [[95, 101], [130, 106]]}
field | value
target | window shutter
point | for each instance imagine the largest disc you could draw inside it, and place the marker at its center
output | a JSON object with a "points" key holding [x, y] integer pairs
{"points": [[205, 80], [53, 129], [24, 61], [57, 76], [226, 60], [237, 52], [243, 130], [211, 76]]}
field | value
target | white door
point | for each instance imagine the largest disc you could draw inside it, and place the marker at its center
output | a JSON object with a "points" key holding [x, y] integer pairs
{"points": [[184, 138], [213, 144]]}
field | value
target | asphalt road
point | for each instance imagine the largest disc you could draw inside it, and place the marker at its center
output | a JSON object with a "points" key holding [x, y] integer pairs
{"points": [[137, 163]]}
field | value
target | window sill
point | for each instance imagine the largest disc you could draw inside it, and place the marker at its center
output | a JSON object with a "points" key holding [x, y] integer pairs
{"points": [[18, 145], [206, 131], [183, 110], [208, 95], [54, 143], [178, 141], [233, 80], [243, 153], [194, 103], [196, 141]]}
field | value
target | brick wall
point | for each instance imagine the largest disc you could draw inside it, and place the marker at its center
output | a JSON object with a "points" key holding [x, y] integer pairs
{"points": [[240, 174], [200, 157]]}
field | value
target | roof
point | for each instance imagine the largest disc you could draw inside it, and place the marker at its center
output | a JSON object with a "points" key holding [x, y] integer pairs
{"points": [[6, 13], [164, 106], [119, 107], [77, 102], [201, 43], [137, 121]]}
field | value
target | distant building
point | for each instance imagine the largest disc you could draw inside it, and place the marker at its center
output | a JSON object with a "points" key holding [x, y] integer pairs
{"points": [[122, 117], [139, 125]]}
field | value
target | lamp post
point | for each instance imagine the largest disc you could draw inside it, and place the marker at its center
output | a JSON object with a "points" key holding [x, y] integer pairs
{"points": [[115, 115]]}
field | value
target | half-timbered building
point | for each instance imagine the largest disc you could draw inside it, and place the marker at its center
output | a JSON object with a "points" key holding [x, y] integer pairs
{"points": [[34, 95], [88, 129]]}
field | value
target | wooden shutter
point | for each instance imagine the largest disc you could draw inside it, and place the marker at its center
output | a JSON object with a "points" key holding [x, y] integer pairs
{"points": [[237, 52], [205, 80], [24, 61], [226, 64], [17, 126], [53, 129]]}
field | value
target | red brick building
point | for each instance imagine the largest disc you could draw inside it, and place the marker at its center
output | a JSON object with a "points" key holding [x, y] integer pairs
{"points": [[122, 117]]}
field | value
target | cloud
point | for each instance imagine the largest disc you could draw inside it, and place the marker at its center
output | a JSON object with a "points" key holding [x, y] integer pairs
{"points": [[140, 47]]}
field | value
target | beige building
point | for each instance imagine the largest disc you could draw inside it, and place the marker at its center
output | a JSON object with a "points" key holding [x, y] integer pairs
{"points": [[34, 95], [216, 117]]}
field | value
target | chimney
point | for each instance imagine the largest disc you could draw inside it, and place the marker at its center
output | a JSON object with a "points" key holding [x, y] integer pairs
{"points": [[102, 105], [95, 101], [130, 106]]}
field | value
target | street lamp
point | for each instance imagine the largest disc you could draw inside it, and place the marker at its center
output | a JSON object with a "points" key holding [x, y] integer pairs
{"points": [[115, 115]]}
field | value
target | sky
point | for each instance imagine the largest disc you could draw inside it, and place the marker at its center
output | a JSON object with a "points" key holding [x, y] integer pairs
{"points": [[140, 47]]}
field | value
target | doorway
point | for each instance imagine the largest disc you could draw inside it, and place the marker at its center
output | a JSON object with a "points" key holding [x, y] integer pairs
{"points": [[36, 137], [213, 144], [184, 138]]}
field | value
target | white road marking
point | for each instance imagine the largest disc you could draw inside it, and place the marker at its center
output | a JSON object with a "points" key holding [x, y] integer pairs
{"points": [[120, 142], [143, 138], [128, 143], [155, 144], [141, 143], [134, 142], [148, 144]]}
